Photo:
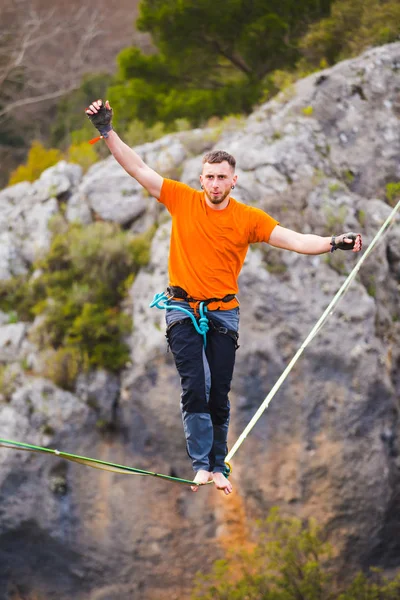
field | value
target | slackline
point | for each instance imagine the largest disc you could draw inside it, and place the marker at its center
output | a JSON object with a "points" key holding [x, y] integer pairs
{"points": [[92, 462]]}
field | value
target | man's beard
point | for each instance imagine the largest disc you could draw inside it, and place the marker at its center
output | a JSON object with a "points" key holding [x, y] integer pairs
{"points": [[217, 201]]}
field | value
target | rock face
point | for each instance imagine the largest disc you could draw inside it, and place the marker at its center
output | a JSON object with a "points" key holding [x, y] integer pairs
{"points": [[318, 158]]}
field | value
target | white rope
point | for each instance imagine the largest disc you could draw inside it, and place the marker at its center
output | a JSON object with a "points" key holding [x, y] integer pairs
{"points": [[312, 334]]}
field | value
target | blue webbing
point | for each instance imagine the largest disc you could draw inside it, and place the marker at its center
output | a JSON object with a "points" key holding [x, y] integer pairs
{"points": [[162, 301]]}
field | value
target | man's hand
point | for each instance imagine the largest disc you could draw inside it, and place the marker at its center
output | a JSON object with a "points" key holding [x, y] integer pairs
{"points": [[346, 241], [101, 116]]}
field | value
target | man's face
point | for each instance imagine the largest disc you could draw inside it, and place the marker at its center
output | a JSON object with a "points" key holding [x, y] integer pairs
{"points": [[217, 179]]}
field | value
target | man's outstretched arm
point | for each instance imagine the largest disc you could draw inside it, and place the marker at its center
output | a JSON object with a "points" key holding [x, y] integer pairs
{"points": [[308, 243], [101, 115]]}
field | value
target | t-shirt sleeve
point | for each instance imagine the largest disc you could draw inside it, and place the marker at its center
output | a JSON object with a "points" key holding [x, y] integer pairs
{"points": [[172, 193], [261, 226]]}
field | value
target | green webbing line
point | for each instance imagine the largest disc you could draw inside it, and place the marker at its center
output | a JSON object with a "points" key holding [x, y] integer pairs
{"points": [[312, 334], [93, 462]]}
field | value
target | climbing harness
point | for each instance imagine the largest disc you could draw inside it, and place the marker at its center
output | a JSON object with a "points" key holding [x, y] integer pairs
{"points": [[174, 291], [162, 301]]}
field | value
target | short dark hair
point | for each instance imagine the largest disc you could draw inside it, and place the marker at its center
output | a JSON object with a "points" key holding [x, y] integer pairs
{"points": [[219, 156]]}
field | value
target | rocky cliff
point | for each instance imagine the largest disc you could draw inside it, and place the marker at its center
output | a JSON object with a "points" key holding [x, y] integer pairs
{"points": [[318, 158]]}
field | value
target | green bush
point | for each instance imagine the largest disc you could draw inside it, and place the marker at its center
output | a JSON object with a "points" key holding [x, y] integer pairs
{"points": [[290, 561], [393, 193], [98, 333], [287, 563], [39, 159], [373, 587], [82, 154], [18, 296], [139, 133], [77, 292], [62, 366], [351, 28], [8, 382]]}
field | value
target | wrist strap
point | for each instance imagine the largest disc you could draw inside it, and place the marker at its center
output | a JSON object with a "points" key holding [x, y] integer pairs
{"points": [[103, 134], [105, 130], [333, 243]]}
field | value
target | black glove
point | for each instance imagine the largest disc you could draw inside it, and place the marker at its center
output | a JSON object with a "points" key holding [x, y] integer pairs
{"points": [[341, 244], [102, 120]]}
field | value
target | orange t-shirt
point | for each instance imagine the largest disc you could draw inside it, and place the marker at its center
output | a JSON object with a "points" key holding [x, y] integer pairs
{"points": [[208, 247]]}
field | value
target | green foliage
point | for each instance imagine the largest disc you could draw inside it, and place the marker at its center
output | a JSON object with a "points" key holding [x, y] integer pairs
{"points": [[84, 134], [70, 110], [393, 193], [335, 218], [307, 111], [371, 286], [337, 262], [210, 62], [98, 335], [8, 382], [239, 46], [281, 80], [375, 587], [83, 154], [351, 28], [273, 261], [286, 564], [18, 296], [39, 159], [136, 100], [138, 133], [249, 52], [361, 217], [62, 367], [348, 176], [290, 561], [245, 37], [334, 187], [77, 293]]}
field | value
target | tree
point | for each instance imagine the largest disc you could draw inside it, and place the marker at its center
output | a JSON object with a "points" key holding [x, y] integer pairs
{"points": [[250, 36], [210, 60], [33, 46], [350, 28]]}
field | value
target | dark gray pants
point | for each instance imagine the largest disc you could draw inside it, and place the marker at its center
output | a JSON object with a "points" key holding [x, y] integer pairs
{"points": [[206, 376]]}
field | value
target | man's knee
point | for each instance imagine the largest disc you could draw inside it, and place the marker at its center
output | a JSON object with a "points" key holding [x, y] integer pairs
{"points": [[220, 413], [194, 401]]}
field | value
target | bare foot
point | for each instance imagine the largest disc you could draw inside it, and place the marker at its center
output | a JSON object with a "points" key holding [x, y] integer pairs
{"points": [[201, 478], [222, 483]]}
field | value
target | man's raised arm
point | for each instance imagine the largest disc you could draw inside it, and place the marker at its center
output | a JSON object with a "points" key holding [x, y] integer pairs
{"points": [[101, 116]]}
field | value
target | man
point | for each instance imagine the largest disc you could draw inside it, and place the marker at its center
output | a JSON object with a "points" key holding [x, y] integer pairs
{"points": [[210, 236]]}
